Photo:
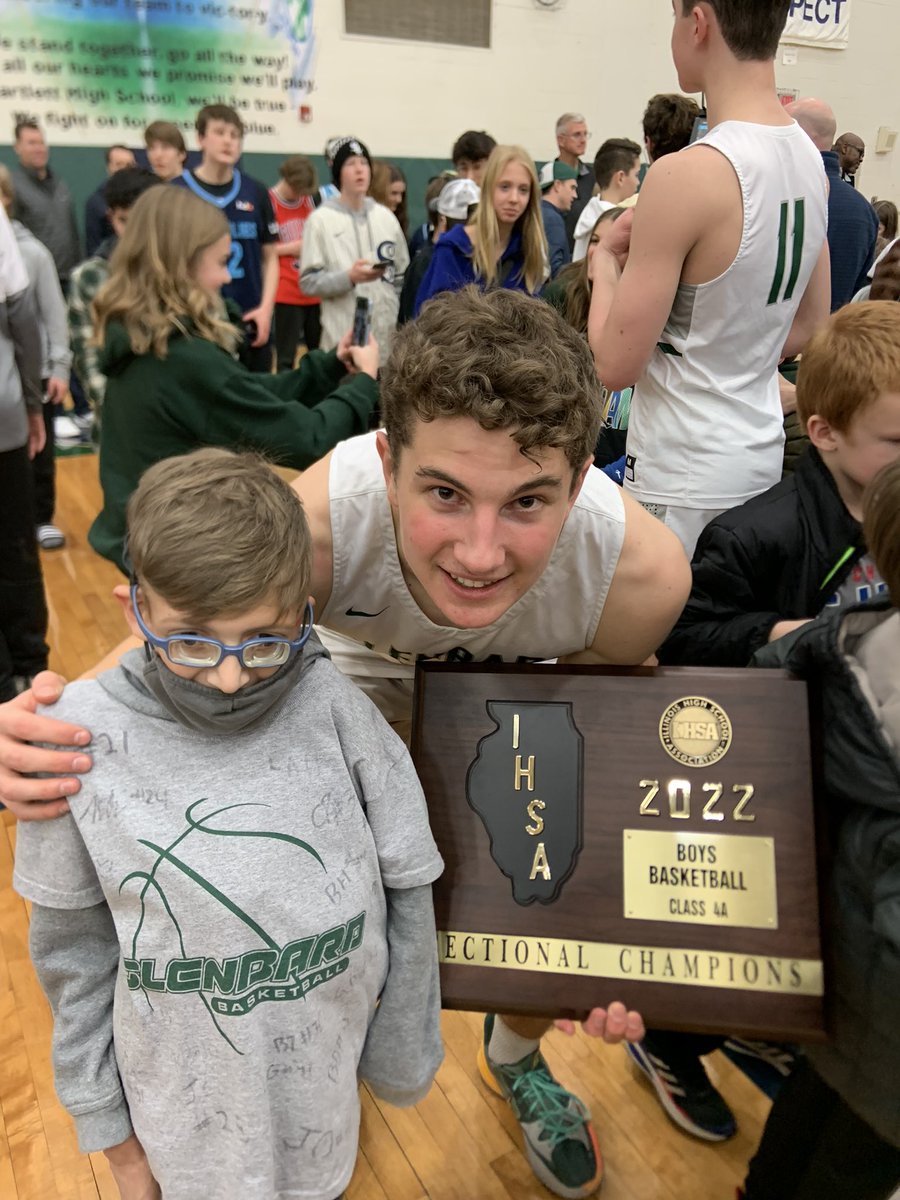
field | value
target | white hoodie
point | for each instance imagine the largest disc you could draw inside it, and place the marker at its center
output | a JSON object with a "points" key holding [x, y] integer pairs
{"points": [[334, 237]]}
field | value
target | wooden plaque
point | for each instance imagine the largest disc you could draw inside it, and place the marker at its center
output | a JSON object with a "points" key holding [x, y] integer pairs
{"points": [[633, 834]]}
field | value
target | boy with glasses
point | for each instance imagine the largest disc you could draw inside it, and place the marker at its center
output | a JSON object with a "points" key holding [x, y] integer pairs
{"points": [[473, 527], [235, 919]]}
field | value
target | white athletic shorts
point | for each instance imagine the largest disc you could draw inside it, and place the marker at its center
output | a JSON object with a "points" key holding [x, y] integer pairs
{"points": [[686, 523]]}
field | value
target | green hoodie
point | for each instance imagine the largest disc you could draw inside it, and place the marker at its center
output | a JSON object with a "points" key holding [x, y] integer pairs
{"points": [[198, 395]]}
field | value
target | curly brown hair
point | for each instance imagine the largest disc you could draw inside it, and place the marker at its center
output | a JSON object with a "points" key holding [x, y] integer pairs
{"points": [[506, 360], [668, 123]]}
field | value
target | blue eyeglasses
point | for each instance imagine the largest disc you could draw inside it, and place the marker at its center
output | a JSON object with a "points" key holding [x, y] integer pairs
{"points": [[185, 650]]}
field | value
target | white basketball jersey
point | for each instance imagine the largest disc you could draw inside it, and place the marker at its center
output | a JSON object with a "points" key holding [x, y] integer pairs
{"points": [[371, 604], [706, 427]]}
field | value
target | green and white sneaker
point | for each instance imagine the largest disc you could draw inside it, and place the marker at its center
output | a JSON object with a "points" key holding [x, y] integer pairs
{"points": [[559, 1136]]}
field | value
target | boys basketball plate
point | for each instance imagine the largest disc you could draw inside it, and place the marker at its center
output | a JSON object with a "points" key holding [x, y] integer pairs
{"points": [[635, 834]]}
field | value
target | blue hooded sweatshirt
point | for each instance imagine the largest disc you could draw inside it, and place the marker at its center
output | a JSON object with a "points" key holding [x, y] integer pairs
{"points": [[452, 267]]}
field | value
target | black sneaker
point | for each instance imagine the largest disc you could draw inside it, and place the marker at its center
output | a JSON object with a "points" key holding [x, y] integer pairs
{"points": [[767, 1064], [683, 1089]]}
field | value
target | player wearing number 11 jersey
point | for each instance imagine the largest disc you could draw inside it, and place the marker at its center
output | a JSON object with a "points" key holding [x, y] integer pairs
{"points": [[726, 271]]}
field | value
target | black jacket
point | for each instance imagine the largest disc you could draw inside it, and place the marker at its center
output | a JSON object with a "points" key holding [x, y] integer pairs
{"points": [[97, 228], [779, 557], [415, 273], [861, 773]]}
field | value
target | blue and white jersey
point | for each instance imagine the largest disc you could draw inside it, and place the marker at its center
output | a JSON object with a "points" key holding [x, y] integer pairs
{"points": [[247, 206]]}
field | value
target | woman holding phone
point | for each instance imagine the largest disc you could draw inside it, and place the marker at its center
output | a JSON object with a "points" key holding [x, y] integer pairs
{"points": [[505, 245], [174, 382]]}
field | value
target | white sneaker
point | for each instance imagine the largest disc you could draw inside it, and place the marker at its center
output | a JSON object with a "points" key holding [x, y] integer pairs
{"points": [[83, 421], [65, 430], [50, 537]]}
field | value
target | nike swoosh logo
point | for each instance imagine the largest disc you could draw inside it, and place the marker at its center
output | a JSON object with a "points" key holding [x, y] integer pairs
{"points": [[355, 612]]}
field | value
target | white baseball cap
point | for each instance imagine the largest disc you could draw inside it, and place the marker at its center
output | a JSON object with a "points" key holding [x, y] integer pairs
{"points": [[456, 197]]}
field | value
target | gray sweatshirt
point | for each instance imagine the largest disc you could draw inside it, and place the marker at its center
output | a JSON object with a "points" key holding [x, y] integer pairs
{"points": [[49, 301], [230, 929], [20, 368]]}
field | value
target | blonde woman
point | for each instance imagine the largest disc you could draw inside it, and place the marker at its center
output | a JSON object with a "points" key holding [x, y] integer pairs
{"points": [[169, 350], [505, 245]]}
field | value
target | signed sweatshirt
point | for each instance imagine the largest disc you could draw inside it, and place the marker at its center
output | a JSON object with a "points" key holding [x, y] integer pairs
{"points": [[230, 929]]}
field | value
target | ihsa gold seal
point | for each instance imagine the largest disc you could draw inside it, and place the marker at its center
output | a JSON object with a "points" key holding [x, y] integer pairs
{"points": [[695, 731]]}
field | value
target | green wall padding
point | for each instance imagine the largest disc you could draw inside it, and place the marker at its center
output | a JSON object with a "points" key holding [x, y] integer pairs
{"points": [[84, 168]]}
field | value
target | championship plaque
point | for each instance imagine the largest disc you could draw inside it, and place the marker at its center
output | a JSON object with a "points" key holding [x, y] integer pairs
{"points": [[633, 834]]}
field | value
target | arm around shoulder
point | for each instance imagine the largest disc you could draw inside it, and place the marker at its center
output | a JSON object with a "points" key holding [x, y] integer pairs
{"points": [[314, 491]]}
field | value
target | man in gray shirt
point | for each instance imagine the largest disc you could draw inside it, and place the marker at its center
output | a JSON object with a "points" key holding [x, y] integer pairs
{"points": [[43, 201], [44, 205]]}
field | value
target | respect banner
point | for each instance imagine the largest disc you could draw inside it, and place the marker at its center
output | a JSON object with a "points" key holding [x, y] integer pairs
{"points": [[824, 23], [95, 72]]}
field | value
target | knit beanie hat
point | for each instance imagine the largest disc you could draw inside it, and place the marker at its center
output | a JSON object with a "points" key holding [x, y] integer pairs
{"points": [[347, 149]]}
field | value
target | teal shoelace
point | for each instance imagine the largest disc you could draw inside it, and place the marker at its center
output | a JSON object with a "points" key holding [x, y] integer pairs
{"points": [[539, 1098]]}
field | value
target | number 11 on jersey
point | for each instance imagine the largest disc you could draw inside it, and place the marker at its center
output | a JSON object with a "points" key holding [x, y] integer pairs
{"points": [[796, 254]]}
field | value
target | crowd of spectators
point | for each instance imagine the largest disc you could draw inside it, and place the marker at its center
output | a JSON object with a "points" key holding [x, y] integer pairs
{"points": [[733, 287]]}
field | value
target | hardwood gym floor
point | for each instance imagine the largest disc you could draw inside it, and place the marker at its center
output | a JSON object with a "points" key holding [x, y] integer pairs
{"points": [[460, 1143]]}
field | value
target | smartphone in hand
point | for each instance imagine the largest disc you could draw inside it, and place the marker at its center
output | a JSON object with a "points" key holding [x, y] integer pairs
{"points": [[362, 321]]}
